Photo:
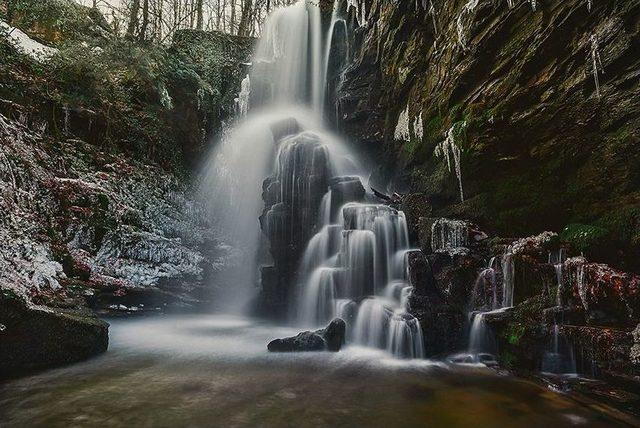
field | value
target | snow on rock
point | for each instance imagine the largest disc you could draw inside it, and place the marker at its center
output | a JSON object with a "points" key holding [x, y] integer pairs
{"points": [[635, 349], [25, 44], [118, 224], [402, 128], [532, 243]]}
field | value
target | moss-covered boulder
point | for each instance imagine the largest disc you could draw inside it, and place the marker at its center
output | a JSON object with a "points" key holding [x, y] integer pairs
{"points": [[33, 338]]}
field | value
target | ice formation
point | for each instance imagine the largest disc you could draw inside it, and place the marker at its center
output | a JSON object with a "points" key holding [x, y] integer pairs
{"points": [[449, 149]]}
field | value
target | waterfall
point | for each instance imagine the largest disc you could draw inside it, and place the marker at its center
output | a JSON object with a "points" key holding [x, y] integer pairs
{"points": [[559, 359], [507, 279], [277, 163], [371, 267], [242, 101]]}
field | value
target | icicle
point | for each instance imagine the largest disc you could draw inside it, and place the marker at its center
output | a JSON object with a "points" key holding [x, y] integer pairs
{"points": [[534, 4], [468, 8], [402, 128], [596, 62], [589, 4], [66, 119], [361, 13], [448, 148], [449, 234], [510, 4], [432, 12], [418, 130]]}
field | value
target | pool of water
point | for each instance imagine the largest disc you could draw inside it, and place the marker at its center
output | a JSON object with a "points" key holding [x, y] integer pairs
{"points": [[214, 371]]}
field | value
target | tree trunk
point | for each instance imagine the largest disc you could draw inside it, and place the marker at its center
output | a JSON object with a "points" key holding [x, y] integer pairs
{"points": [[145, 20], [199, 21], [245, 19], [233, 17], [133, 19]]}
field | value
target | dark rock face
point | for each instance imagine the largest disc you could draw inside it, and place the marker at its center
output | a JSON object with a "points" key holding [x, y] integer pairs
{"points": [[539, 140], [442, 323], [33, 338], [330, 338], [343, 190], [306, 341], [292, 199]]}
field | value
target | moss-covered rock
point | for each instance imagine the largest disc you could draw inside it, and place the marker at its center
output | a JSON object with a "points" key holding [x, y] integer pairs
{"points": [[33, 338], [540, 148]]}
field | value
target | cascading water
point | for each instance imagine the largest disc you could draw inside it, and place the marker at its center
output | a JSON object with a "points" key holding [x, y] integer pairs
{"points": [[355, 262], [559, 358], [366, 276]]}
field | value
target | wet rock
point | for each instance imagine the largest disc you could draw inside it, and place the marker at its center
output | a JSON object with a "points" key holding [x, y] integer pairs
{"points": [[606, 295], [536, 247], [37, 337], [290, 216], [334, 334], [603, 347], [330, 338], [306, 341], [343, 190], [415, 206], [420, 274]]}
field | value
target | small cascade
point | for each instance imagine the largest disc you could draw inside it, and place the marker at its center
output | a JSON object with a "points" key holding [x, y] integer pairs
{"points": [[369, 266], [559, 359], [485, 290], [488, 298], [242, 102], [508, 274], [480, 339], [557, 259], [449, 234]]}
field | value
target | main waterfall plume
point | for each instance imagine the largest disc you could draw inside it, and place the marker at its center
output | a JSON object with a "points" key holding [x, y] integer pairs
{"points": [[332, 250]]}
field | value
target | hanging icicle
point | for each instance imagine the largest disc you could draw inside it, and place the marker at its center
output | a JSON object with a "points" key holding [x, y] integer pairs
{"points": [[402, 128], [464, 21], [596, 62], [449, 149]]}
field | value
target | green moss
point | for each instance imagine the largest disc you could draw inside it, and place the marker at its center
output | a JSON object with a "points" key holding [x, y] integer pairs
{"points": [[59, 21], [583, 237]]}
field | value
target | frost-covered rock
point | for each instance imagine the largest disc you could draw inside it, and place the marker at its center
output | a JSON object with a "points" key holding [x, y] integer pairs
{"points": [[24, 44], [115, 225], [532, 244], [635, 349]]}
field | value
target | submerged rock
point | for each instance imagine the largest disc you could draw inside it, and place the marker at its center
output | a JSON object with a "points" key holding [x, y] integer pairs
{"points": [[330, 338]]}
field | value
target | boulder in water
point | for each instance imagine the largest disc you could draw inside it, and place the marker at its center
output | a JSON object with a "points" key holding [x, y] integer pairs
{"points": [[303, 342], [334, 334], [330, 338]]}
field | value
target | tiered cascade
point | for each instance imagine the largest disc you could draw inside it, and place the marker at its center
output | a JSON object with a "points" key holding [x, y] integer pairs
{"points": [[356, 268]]}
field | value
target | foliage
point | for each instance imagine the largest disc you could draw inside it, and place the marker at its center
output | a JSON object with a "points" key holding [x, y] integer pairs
{"points": [[584, 237], [58, 21]]}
